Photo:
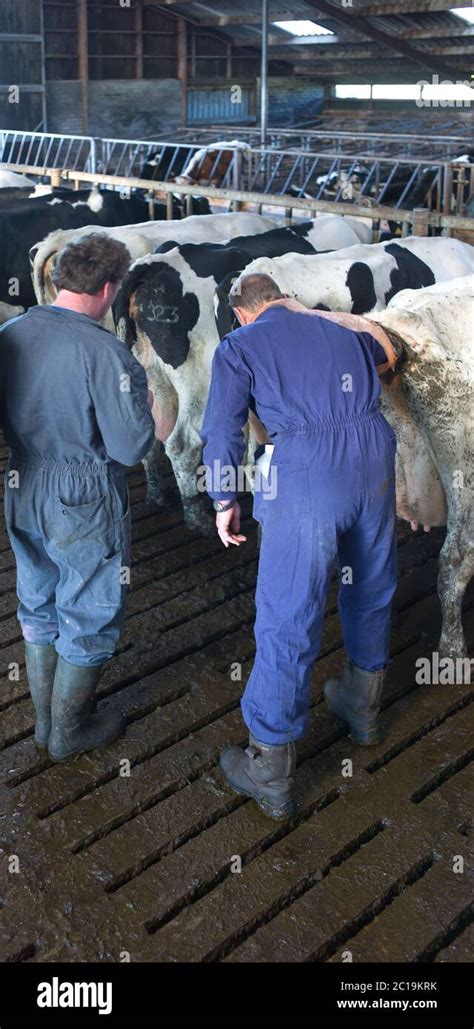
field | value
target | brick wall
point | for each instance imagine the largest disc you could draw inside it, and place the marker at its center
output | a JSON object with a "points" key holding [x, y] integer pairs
{"points": [[132, 109]]}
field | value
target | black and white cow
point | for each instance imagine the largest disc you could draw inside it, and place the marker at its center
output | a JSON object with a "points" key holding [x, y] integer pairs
{"points": [[165, 310], [8, 311], [430, 406], [429, 403], [141, 239], [365, 278], [13, 185], [165, 164], [25, 221]]}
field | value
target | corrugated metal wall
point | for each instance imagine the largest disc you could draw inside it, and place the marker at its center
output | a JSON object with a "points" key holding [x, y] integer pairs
{"points": [[216, 105]]}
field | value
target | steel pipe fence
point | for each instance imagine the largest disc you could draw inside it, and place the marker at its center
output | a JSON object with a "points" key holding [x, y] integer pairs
{"points": [[318, 175]]}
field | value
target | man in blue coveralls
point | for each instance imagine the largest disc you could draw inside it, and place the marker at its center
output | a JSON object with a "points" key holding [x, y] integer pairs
{"points": [[314, 385], [75, 410]]}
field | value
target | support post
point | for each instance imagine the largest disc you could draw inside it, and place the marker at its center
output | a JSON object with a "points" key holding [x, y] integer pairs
{"points": [[264, 76], [447, 188], [183, 69], [56, 177], [83, 51], [139, 39], [420, 223]]}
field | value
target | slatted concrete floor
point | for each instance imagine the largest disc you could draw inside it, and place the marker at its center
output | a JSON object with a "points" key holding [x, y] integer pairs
{"points": [[142, 866]]}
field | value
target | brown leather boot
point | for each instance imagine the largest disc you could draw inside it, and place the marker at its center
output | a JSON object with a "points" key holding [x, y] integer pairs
{"points": [[355, 697], [263, 772]]}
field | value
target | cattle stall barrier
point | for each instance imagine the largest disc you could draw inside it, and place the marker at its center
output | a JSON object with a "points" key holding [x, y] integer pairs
{"points": [[417, 222], [267, 170], [394, 144]]}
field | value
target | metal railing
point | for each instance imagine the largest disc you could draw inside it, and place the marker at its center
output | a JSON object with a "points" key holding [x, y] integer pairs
{"points": [[383, 144], [320, 175], [53, 150], [418, 222]]}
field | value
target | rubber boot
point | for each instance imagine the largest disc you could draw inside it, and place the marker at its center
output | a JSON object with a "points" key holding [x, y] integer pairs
{"points": [[75, 727], [355, 697], [263, 772], [41, 661]]}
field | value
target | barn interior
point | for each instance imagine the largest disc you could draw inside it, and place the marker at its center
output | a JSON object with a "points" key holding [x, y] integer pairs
{"points": [[307, 108]]}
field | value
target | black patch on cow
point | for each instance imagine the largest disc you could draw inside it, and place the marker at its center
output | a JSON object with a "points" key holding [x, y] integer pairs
{"points": [[24, 222], [360, 283], [275, 242], [410, 273], [163, 310], [226, 320], [321, 307], [164, 247], [167, 314], [213, 259]]}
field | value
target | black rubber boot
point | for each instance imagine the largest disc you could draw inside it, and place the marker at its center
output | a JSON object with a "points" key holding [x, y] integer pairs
{"points": [[263, 772], [41, 661], [75, 729], [356, 698]]}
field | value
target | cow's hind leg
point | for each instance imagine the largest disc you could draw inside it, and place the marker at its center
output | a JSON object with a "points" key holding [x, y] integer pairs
{"points": [[184, 449], [456, 568], [153, 463]]}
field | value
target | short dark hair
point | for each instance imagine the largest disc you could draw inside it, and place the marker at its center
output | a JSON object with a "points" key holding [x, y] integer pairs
{"points": [[86, 265], [254, 290]]}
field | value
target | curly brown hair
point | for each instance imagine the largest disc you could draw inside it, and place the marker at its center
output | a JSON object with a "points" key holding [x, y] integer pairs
{"points": [[85, 266]]}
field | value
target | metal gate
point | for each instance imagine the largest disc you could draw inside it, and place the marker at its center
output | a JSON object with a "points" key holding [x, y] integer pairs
{"points": [[400, 182]]}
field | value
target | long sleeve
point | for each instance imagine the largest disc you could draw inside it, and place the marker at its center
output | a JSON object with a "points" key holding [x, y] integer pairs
{"points": [[375, 348], [118, 387], [224, 419]]}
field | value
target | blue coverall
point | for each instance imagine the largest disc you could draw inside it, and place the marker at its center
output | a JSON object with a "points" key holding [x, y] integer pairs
{"points": [[74, 411], [315, 387]]}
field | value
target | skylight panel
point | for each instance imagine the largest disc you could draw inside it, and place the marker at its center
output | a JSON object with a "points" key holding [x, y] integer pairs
{"points": [[303, 28], [467, 13]]}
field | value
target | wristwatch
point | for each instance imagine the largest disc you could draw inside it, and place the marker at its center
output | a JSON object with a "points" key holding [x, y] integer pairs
{"points": [[223, 505]]}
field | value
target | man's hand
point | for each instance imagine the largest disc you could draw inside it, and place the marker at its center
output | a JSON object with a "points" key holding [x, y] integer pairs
{"points": [[228, 525]]}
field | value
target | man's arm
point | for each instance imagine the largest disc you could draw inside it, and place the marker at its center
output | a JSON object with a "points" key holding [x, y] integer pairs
{"points": [[119, 392], [224, 420], [379, 344], [225, 417]]}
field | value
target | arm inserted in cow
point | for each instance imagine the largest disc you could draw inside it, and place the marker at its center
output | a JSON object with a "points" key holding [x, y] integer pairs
{"points": [[377, 340]]}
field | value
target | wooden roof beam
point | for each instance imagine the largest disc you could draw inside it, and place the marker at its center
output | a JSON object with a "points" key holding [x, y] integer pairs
{"points": [[372, 49]]}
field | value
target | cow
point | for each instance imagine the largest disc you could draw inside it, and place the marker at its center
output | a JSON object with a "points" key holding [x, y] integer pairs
{"points": [[165, 311], [25, 221], [206, 166], [365, 278], [430, 405], [161, 163], [209, 165], [8, 311], [141, 239], [13, 185]]}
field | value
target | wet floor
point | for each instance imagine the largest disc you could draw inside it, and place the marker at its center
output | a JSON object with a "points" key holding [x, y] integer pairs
{"points": [[142, 852]]}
